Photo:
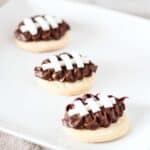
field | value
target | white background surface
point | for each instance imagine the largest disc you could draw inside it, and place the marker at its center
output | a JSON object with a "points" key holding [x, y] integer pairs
{"points": [[135, 7], [118, 43]]}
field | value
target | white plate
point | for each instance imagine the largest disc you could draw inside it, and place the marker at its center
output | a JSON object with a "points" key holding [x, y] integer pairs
{"points": [[118, 43]]}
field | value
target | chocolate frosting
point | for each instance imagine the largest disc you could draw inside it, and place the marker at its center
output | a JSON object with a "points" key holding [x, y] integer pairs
{"points": [[51, 34], [65, 75], [103, 118]]}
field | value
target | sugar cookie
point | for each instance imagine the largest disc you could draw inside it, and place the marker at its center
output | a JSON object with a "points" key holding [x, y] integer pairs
{"points": [[66, 73], [96, 118], [42, 33]]}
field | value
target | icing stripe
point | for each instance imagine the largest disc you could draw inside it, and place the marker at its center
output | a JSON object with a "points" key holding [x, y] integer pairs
{"points": [[113, 100], [42, 23], [55, 63], [79, 109], [106, 101], [66, 61], [92, 105], [58, 20], [47, 66], [30, 26], [78, 60], [51, 21]]}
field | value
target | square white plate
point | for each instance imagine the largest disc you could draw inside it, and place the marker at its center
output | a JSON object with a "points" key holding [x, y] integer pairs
{"points": [[118, 43]]}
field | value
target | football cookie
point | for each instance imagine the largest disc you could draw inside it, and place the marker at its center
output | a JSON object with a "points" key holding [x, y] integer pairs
{"points": [[42, 33], [96, 118], [66, 73]]}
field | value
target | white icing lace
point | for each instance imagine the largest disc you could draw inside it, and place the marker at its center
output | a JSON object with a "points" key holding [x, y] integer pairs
{"points": [[66, 61], [92, 105], [44, 22]]}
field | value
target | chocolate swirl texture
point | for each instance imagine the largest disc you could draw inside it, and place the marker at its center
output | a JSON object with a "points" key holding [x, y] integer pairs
{"points": [[41, 35], [65, 75], [103, 118]]}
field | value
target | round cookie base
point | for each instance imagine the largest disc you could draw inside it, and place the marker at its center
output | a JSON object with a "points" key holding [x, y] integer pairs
{"points": [[67, 88], [113, 132], [44, 46]]}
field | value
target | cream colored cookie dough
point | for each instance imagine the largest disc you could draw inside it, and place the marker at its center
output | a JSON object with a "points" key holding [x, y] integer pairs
{"points": [[114, 131], [43, 46], [68, 88]]}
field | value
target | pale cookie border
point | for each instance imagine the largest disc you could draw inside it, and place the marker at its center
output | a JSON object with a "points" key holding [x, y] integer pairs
{"points": [[68, 88], [113, 132], [44, 46]]}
